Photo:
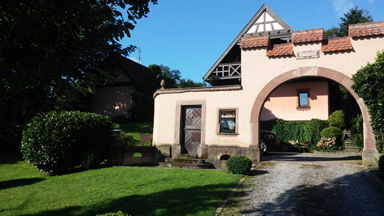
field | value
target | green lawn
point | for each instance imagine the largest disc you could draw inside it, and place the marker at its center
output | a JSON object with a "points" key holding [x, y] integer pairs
{"points": [[135, 129], [134, 190]]}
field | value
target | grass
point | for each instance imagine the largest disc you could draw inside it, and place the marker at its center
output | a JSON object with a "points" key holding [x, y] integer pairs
{"points": [[134, 129], [134, 190]]}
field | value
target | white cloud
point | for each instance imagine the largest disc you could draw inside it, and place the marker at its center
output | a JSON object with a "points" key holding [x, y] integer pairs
{"points": [[342, 6], [371, 1]]}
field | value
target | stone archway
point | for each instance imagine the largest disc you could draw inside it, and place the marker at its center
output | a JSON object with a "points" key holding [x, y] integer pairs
{"points": [[369, 152]]}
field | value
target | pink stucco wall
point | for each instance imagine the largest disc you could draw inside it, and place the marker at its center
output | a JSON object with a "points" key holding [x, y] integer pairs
{"points": [[283, 102]]}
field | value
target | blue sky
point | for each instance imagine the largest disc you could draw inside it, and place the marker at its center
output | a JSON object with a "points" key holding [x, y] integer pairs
{"points": [[190, 36]]}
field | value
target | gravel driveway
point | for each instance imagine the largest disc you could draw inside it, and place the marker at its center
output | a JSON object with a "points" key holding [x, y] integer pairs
{"points": [[301, 189]]}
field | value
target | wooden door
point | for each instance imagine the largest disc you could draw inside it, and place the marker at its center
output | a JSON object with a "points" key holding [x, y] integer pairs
{"points": [[191, 130]]}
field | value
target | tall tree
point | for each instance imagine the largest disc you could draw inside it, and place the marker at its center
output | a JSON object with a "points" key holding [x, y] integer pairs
{"points": [[52, 53], [353, 16], [143, 108], [184, 83], [369, 85]]}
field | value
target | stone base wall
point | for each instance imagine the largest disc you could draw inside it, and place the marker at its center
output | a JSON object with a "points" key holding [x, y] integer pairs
{"points": [[215, 154], [123, 156], [218, 155]]}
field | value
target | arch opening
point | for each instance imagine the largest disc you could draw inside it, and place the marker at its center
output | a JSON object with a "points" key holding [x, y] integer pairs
{"points": [[308, 72]]}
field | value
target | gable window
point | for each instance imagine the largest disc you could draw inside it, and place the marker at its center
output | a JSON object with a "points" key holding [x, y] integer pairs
{"points": [[303, 98], [227, 121]]}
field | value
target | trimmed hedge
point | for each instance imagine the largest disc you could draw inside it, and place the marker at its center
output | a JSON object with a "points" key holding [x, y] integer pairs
{"points": [[294, 130], [289, 130], [239, 164], [336, 119], [330, 132], [56, 142], [312, 130]]}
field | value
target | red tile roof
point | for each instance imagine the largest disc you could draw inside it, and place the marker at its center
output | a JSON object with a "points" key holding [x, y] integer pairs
{"points": [[366, 29], [337, 44], [285, 49], [306, 36], [254, 42]]}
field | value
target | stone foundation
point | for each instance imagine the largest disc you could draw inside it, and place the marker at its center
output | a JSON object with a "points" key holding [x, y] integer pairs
{"points": [[123, 156], [214, 154], [369, 155]]}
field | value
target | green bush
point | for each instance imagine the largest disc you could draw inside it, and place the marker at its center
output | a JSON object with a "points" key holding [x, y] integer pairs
{"points": [[239, 164], [369, 85], [56, 142], [119, 213], [289, 130], [331, 132], [126, 140], [381, 164], [357, 131], [312, 130], [336, 119], [90, 160]]}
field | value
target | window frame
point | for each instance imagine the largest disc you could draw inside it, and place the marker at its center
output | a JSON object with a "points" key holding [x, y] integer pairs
{"points": [[219, 129], [301, 91]]}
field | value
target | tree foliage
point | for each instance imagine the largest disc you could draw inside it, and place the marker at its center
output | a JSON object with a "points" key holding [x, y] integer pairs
{"points": [[369, 85], [353, 16], [52, 53], [184, 83], [56, 142], [145, 90]]}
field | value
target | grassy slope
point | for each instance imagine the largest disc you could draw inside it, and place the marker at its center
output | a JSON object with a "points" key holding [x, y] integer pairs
{"points": [[135, 129], [134, 190]]}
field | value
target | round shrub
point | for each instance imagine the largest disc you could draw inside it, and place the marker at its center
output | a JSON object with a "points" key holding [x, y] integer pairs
{"points": [[312, 130], [336, 119], [239, 164], [381, 164], [56, 142], [331, 132]]}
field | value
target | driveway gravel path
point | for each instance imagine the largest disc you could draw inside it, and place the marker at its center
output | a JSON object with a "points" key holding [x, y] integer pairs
{"points": [[286, 188]]}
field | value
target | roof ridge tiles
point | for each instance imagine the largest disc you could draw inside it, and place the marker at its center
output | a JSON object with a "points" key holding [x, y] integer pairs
{"points": [[254, 41], [284, 49], [366, 29], [337, 44], [309, 35]]}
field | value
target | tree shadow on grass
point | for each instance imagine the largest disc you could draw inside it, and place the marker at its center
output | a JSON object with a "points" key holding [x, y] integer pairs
{"points": [[10, 159], [202, 200], [341, 196], [19, 182]]}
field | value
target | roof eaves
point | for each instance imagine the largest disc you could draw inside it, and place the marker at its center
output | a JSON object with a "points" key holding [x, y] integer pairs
{"points": [[254, 42], [128, 71], [307, 36], [366, 29], [285, 49], [337, 44]]}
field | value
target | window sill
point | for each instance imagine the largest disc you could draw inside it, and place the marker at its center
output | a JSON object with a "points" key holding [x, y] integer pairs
{"points": [[226, 134], [303, 107]]}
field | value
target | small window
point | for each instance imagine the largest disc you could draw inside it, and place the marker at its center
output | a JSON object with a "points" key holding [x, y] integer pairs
{"points": [[303, 95], [303, 99], [227, 121]]}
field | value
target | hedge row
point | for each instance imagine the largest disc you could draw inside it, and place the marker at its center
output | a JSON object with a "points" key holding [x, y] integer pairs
{"points": [[56, 142], [294, 130]]}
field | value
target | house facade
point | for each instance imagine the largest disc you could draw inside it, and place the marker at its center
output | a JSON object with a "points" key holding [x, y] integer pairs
{"points": [[115, 100], [268, 71]]}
